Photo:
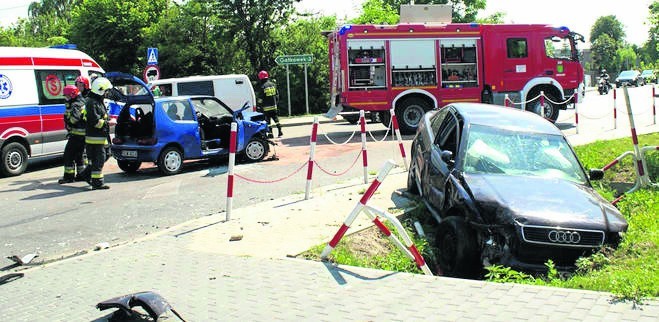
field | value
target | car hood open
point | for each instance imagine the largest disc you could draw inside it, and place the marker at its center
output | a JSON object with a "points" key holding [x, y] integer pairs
{"points": [[542, 202]]}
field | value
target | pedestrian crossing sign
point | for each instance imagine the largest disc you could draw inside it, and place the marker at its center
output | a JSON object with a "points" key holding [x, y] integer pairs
{"points": [[152, 56]]}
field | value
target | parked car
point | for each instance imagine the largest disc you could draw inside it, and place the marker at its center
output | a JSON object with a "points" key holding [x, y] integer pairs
{"points": [[169, 130], [649, 76], [504, 186], [628, 78]]}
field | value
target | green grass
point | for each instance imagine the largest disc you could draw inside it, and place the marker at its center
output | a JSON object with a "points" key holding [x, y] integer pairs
{"points": [[630, 272]]}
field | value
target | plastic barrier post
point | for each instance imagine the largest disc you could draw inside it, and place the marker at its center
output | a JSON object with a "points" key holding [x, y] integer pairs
{"points": [[394, 122], [232, 161], [615, 110], [314, 134], [506, 101], [654, 108], [362, 123], [358, 208], [542, 103], [640, 163], [576, 111]]}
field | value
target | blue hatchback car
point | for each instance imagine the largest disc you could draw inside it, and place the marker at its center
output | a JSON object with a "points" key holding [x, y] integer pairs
{"points": [[169, 130]]}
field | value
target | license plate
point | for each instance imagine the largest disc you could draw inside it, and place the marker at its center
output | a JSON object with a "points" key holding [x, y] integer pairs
{"points": [[129, 153]]}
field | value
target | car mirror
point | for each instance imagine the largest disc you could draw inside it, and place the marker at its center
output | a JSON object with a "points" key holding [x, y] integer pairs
{"points": [[596, 174], [446, 155]]}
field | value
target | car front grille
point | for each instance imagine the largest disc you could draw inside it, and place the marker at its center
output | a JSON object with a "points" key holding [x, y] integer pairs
{"points": [[566, 237]]}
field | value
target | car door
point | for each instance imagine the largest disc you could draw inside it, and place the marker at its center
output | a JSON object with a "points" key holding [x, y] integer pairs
{"points": [[446, 139]]}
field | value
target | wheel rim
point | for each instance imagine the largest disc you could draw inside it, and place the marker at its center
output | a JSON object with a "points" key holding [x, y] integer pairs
{"points": [[412, 115], [254, 150], [14, 160], [172, 161], [549, 109]]}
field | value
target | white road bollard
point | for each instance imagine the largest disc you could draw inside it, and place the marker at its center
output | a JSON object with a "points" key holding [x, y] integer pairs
{"points": [[232, 161], [641, 168], [384, 171], [394, 123], [615, 110], [362, 124], [314, 135]]}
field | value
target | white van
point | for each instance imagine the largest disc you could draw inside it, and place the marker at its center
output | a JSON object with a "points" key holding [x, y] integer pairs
{"points": [[32, 101], [233, 89]]}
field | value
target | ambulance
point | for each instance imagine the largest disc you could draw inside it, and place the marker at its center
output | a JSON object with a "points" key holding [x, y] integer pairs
{"points": [[32, 101]]}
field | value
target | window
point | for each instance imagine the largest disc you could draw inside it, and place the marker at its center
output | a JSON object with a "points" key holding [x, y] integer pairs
{"points": [[178, 110], [448, 136], [558, 48], [50, 84], [517, 48], [196, 88]]}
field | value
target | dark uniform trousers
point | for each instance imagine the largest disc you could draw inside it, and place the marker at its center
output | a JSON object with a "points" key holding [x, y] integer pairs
{"points": [[73, 157], [96, 155]]}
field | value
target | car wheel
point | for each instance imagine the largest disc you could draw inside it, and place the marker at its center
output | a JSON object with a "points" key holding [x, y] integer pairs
{"points": [[14, 159], [352, 118], [255, 150], [456, 246], [410, 113], [170, 161], [129, 166], [551, 109]]}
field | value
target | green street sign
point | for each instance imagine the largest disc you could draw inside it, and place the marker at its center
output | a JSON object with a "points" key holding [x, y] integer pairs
{"points": [[294, 59]]}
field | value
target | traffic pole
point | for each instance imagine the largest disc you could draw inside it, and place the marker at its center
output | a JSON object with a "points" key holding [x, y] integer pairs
{"points": [[232, 161], [384, 171], [576, 110], [505, 100], [394, 123], [362, 123], [615, 110], [654, 107], [542, 103], [314, 133], [640, 162]]}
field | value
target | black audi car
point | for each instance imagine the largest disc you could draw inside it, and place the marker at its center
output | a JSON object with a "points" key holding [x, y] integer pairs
{"points": [[504, 186]]}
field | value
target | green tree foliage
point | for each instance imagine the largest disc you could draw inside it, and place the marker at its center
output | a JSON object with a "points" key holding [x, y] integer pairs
{"points": [[650, 51], [253, 24], [113, 31], [463, 10], [626, 58], [305, 37], [604, 50], [377, 12], [610, 26]]}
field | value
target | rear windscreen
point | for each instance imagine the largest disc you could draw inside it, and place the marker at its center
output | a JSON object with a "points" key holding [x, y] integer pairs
{"points": [[196, 88]]}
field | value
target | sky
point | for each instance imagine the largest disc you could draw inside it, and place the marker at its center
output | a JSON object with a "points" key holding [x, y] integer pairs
{"points": [[578, 15]]}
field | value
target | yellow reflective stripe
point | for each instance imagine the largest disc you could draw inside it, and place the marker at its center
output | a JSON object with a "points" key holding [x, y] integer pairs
{"points": [[97, 175], [95, 140], [270, 108], [78, 131], [270, 91], [99, 124], [69, 170]]}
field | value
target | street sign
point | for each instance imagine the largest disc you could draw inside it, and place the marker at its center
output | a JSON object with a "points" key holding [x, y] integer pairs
{"points": [[151, 73], [152, 56], [294, 59]]}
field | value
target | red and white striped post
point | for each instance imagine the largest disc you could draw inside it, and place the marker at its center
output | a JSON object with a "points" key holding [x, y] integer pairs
{"points": [[312, 152], [394, 122], [542, 103], [615, 110], [358, 208], [232, 161], [576, 110], [617, 160], [641, 169], [362, 124], [506, 100], [654, 106]]}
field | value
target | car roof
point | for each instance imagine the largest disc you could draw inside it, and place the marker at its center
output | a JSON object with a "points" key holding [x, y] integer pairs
{"points": [[505, 118]]}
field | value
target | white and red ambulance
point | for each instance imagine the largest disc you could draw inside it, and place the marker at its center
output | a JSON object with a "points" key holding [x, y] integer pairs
{"points": [[32, 101]]}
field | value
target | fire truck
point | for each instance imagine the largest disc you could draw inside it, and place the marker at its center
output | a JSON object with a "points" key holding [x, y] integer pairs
{"points": [[416, 67]]}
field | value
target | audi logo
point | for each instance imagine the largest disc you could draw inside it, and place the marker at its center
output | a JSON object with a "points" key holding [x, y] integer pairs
{"points": [[564, 237]]}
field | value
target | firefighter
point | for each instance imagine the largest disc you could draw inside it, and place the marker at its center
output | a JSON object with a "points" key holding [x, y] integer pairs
{"points": [[82, 83], [75, 126], [268, 97], [97, 132]]}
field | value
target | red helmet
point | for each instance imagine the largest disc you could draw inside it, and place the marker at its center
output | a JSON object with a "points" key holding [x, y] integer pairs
{"points": [[263, 74], [71, 91], [84, 80]]}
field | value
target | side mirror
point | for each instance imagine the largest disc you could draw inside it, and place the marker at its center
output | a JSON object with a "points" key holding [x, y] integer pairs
{"points": [[447, 156], [596, 174]]}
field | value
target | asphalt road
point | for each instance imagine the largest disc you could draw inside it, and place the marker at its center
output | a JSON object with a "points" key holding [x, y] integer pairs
{"points": [[40, 216]]}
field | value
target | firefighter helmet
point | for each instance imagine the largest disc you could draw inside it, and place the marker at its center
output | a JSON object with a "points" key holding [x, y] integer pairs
{"points": [[83, 80], [263, 74], [71, 91], [100, 85]]}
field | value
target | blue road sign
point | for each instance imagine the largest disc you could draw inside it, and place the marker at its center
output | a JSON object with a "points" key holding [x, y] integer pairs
{"points": [[152, 56]]}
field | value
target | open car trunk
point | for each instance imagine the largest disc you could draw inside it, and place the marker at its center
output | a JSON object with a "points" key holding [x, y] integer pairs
{"points": [[136, 119]]}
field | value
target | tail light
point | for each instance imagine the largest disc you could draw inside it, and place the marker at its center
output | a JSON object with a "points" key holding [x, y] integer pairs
{"points": [[147, 141]]}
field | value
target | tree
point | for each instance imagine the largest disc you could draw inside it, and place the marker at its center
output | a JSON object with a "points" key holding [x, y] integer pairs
{"points": [[604, 50], [377, 12], [650, 50], [610, 26], [113, 31], [626, 58], [253, 24], [463, 10]]}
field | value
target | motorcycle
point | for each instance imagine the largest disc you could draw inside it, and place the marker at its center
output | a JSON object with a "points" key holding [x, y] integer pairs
{"points": [[603, 86]]}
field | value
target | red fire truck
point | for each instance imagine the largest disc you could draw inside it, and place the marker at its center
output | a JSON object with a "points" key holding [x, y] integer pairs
{"points": [[417, 67]]}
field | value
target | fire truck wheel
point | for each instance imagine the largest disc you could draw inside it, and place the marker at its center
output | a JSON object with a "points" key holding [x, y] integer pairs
{"points": [[409, 113], [551, 109], [14, 159], [352, 119]]}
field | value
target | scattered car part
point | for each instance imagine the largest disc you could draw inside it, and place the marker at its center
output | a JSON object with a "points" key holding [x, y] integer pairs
{"points": [[154, 304]]}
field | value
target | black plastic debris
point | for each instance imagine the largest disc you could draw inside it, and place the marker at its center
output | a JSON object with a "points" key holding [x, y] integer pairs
{"points": [[154, 304], [10, 277]]}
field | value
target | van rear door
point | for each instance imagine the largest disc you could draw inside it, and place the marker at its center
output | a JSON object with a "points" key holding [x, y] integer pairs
{"points": [[235, 91]]}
